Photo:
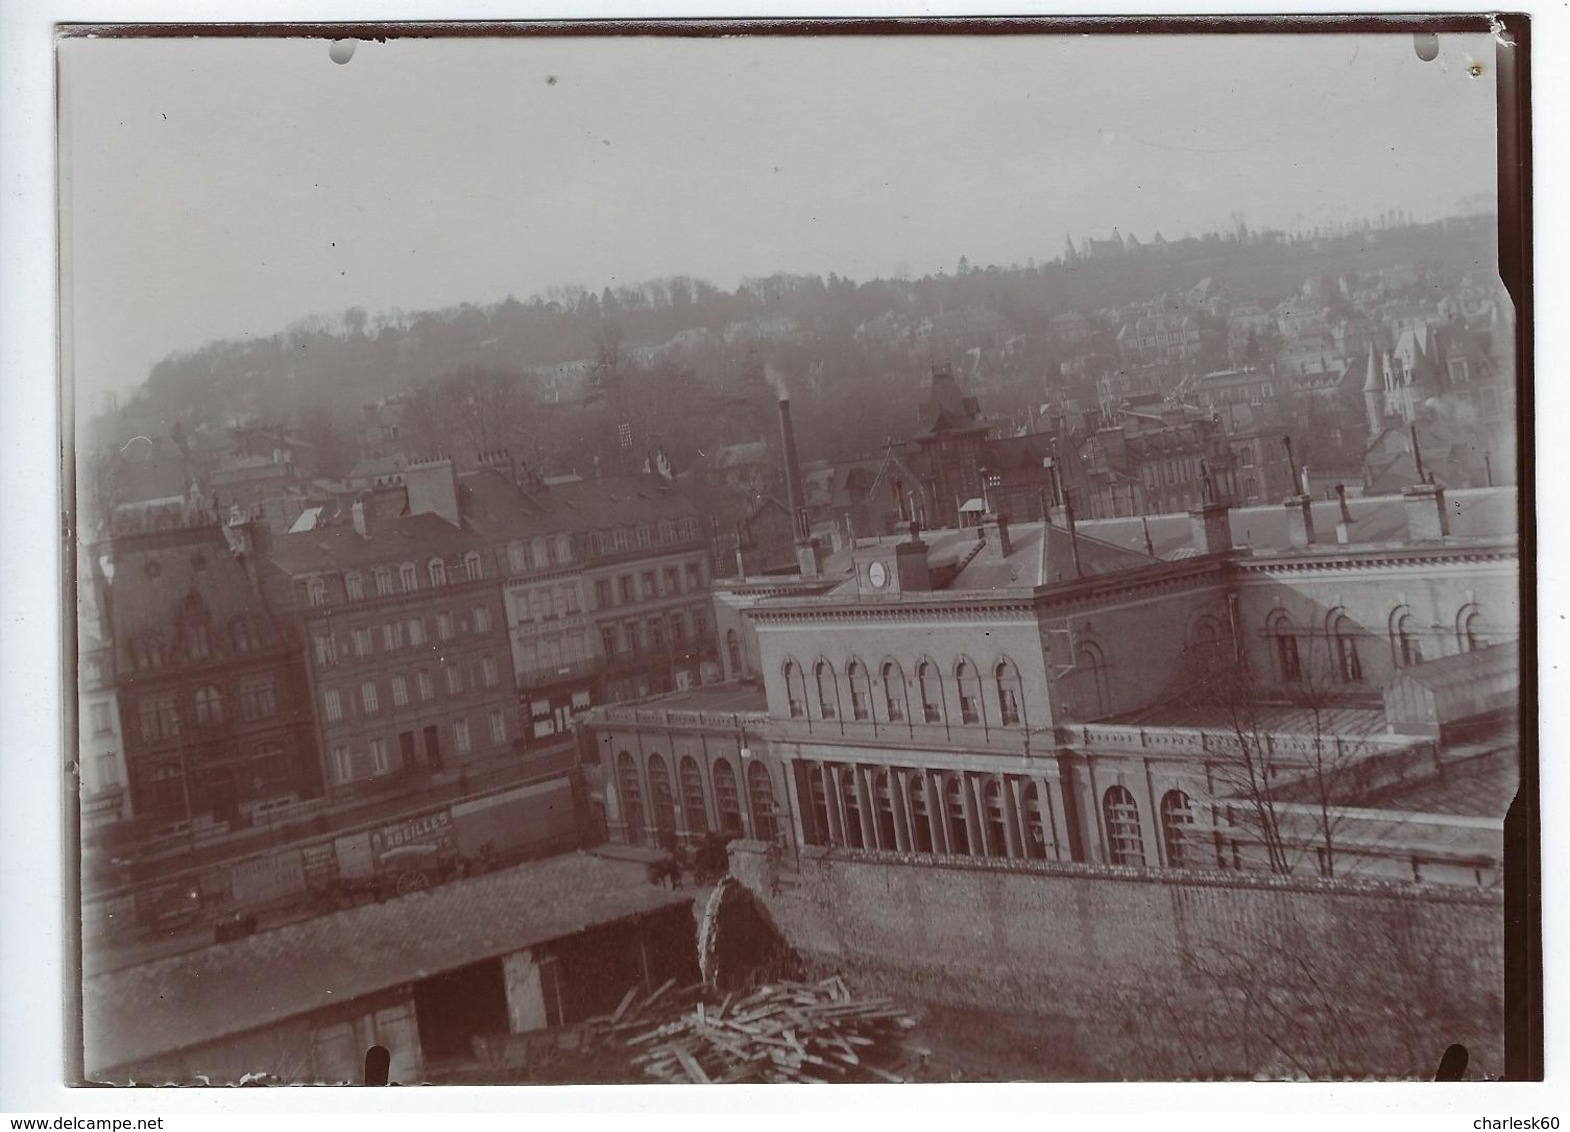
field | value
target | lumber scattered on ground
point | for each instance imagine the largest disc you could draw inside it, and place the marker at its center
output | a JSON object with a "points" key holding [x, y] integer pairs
{"points": [[787, 1032]]}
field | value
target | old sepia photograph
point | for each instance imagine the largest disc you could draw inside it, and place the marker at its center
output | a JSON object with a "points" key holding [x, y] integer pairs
{"points": [[888, 553]]}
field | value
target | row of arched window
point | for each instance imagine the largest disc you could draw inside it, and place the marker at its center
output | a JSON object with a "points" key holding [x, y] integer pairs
{"points": [[1125, 839], [999, 816], [1342, 635], [681, 806], [854, 697], [358, 586], [906, 810]]}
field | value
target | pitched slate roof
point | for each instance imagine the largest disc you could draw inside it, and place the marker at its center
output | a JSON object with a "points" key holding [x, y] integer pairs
{"points": [[337, 547], [201, 996], [156, 574]]}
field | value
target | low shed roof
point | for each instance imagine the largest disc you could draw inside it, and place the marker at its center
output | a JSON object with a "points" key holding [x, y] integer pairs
{"points": [[185, 1000]]}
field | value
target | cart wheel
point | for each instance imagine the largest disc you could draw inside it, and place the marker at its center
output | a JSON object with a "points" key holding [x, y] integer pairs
{"points": [[411, 880]]}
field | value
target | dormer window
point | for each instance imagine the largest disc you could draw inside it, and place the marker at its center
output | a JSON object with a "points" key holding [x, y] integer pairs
{"points": [[316, 590], [354, 586], [437, 570], [407, 577], [473, 568]]}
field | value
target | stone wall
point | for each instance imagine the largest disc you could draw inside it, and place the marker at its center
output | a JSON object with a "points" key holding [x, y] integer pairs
{"points": [[1106, 973]]}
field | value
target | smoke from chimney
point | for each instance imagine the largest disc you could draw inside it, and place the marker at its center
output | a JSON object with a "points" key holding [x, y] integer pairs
{"points": [[776, 382]]}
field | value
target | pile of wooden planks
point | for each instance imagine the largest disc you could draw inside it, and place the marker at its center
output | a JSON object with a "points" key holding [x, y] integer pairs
{"points": [[784, 1032]]}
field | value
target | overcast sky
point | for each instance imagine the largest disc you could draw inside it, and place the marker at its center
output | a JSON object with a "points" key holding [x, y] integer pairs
{"points": [[216, 188]]}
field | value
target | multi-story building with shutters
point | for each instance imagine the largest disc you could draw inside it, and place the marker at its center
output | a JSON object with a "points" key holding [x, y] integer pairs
{"points": [[403, 630], [606, 584], [209, 689]]}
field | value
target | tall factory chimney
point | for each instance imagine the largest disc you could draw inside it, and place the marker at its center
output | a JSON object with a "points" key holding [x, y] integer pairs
{"points": [[798, 507]]}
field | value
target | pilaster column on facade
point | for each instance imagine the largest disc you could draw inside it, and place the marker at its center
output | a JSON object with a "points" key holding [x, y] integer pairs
{"points": [[975, 826], [899, 790], [1049, 796], [867, 810], [1014, 829], [836, 804], [794, 810], [1150, 820], [711, 803], [749, 824], [1093, 828], [935, 786], [640, 763]]}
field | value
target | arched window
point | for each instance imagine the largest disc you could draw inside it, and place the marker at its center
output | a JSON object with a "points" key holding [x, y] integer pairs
{"points": [[1125, 842], [852, 800], [209, 705], [727, 798], [517, 557], [1469, 629], [437, 569], [920, 819], [1206, 650], [407, 577], [1009, 693], [996, 823], [733, 648], [692, 807], [860, 690], [1405, 647], [883, 808], [818, 800], [760, 793], [1245, 456], [795, 690], [384, 583], [828, 691], [354, 586], [542, 553], [894, 692], [473, 567], [317, 590], [631, 797], [663, 801], [1343, 637], [1092, 664], [1284, 638], [954, 813], [931, 692], [969, 683], [1035, 827], [1177, 820]]}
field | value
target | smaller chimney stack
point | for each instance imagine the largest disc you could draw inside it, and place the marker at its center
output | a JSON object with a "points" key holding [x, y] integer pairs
{"points": [[911, 564], [1427, 520]]}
